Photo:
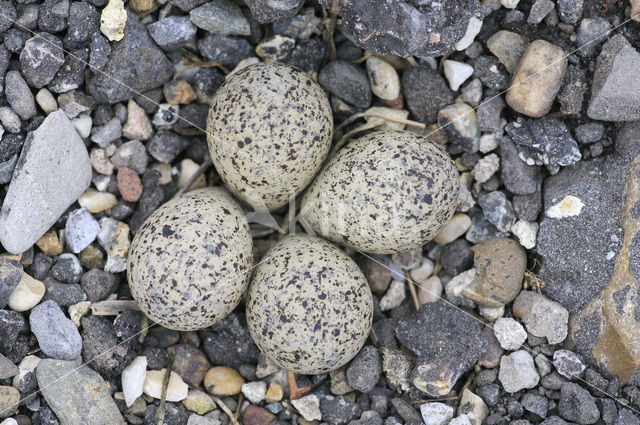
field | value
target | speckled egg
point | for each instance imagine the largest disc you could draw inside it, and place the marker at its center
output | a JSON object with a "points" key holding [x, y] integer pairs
{"points": [[387, 192], [269, 131], [309, 307], [189, 263]]}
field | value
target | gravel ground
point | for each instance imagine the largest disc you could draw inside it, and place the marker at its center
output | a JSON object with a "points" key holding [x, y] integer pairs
{"points": [[522, 309]]}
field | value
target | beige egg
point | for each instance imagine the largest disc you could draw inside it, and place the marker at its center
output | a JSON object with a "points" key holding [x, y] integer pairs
{"points": [[387, 192], [189, 263], [309, 307], [269, 131]]}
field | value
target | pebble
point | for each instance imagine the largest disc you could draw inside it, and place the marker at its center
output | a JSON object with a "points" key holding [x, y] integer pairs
{"points": [[114, 238], [9, 15], [497, 209], [55, 170], [167, 115], [129, 184], [113, 20], [165, 146], [541, 316], [591, 33], [568, 364], [553, 140], [84, 399], [133, 378], [136, 64], [421, 273], [67, 268], [223, 381], [491, 72], [99, 50], [436, 413], [100, 162], [426, 92], [266, 11], [473, 407], [570, 11], [27, 294], [274, 393], [50, 244], [460, 124], [430, 291], [40, 59], [178, 92], [517, 176], [199, 402], [517, 372], [190, 363], [255, 392], [107, 133], [254, 415], [9, 401], [78, 311], [57, 336], [394, 296], [7, 368], [220, 17], [539, 11], [508, 47], [10, 120], [172, 32], [46, 101], [614, 92], [365, 369], [10, 277], [11, 323], [526, 232], [176, 390], [227, 50], [457, 73], [460, 420], [509, 333], [456, 257], [309, 407], [96, 202], [383, 78], [347, 82], [73, 103], [19, 95], [137, 125], [535, 83], [486, 167], [80, 229], [133, 155], [577, 405], [187, 169], [275, 48]]}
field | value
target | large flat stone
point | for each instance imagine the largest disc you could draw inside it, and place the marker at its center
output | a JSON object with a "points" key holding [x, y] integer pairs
{"points": [[136, 64], [590, 250], [77, 394], [52, 172]]}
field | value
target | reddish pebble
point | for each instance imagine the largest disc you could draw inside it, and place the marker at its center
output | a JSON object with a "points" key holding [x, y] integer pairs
{"points": [[129, 184], [254, 415]]}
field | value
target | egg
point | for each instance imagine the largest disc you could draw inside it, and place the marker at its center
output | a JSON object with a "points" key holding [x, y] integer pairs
{"points": [[309, 308], [269, 130], [387, 192], [189, 263]]}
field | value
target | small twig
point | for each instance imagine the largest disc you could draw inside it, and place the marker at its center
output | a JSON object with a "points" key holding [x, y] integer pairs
{"points": [[200, 171], [412, 290], [226, 410], [240, 400], [113, 307], [329, 29], [412, 61], [165, 385], [366, 55], [359, 115], [348, 134]]}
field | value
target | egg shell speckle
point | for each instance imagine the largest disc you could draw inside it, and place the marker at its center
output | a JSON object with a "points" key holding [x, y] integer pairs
{"points": [[269, 131], [309, 307], [387, 192], [190, 261]]}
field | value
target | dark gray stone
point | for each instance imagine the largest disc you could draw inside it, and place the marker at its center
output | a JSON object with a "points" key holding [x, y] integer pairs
{"points": [[99, 50], [570, 11], [553, 420], [591, 33], [497, 209], [589, 133], [57, 336], [7, 368], [151, 198], [225, 49], [338, 410], [426, 92], [98, 284], [456, 257], [15, 38], [406, 410], [574, 87], [221, 17], [187, 5], [490, 394], [308, 54], [365, 369], [535, 404], [517, 177], [577, 405], [347, 82], [101, 348], [10, 276], [271, 11], [175, 414], [70, 76], [172, 32], [53, 15], [626, 417], [482, 229], [8, 15], [491, 72], [488, 114], [10, 324], [165, 146], [84, 22], [230, 336], [67, 268], [555, 140], [135, 61], [28, 16], [528, 207], [451, 347], [4, 65], [405, 28], [64, 294]]}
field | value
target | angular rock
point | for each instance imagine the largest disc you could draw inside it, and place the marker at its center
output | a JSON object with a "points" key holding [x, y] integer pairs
{"points": [[227, 50], [269, 11], [58, 337], [508, 47], [577, 405], [615, 93], [52, 172], [347, 82], [365, 369], [453, 345], [221, 17], [40, 59], [541, 316], [426, 92], [84, 21], [133, 377], [165, 146], [135, 61], [517, 371], [100, 346], [517, 176], [80, 229], [76, 393], [172, 31], [498, 210], [10, 276]]}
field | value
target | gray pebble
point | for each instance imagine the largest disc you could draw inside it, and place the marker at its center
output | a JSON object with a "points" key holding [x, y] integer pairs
{"points": [[53, 15], [80, 229], [347, 82], [221, 17], [172, 32], [8, 14], [99, 49], [11, 322], [535, 404], [98, 284], [227, 50], [365, 369], [589, 133], [426, 92], [19, 95], [41, 58], [497, 209], [269, 11], [165, 146], [10, 275], [133, 155], [100, 346], [57, 336], [107, 133], [84, 21], [67, 268], [577, 405], [539, 11], [569, 11]]}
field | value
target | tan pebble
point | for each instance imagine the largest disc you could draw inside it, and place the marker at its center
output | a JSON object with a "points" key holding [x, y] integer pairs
{"points": [[472, 406], [46, 101], [199, 402], [430, 291], [100, 162], [9, 401], [177, 390], [140, 6], [456, 227], [538, 79], [138, 408], [462, 118], [50, 244], [179, 92], [165, 172], [78, 311], [114, 238], [129, 184], [138, 125], [113, 20], [188, 169], [339, 383], [96, 202], [635, 10], [91, 257], [274, 393], [383, 79], [508, 47], [27, 294], [221, 380]]}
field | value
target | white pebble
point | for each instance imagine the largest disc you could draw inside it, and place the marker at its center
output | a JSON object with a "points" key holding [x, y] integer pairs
{"points": [[383, 79], [460, 420], [430, 291], [27, 294], [177, 389], [485, 168], [80, 229], [488, 142], [526, 231], [457, 73], [133, 379], [509, 333], [510, 4], [96, 201], [255, 392], [436, 413], [422, 272], [46, 101], [472, 30], [456, 227], [492, 313], [394, 296], [309, 407], [83, 124]]}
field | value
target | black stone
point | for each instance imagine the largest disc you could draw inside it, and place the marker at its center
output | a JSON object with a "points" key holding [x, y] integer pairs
{"points": [[347, 82], [84, 22], [100, 346], [227, 50], [230, 336], [456, 257], [270, 11], [426, 92]]}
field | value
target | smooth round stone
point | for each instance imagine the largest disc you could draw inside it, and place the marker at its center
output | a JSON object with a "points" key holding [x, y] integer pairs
{"points": [[221, 381], [456, 227], [27, 294]]}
